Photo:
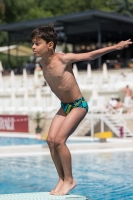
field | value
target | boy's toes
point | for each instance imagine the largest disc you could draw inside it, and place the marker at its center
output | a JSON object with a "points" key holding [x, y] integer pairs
{"points": [[52, 192]]}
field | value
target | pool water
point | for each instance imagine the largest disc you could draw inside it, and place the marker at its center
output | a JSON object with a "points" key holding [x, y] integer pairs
{"points": [[8, 141], [99, 176]]}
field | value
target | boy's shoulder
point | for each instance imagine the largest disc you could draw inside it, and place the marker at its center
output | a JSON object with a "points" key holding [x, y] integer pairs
{"points": [[60, 55], [60, 52]]}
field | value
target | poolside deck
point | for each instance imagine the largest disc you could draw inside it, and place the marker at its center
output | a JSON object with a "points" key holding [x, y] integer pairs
{"points": [[39, 196], [30, 150]]}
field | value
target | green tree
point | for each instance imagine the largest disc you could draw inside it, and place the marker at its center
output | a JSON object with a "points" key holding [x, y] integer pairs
{"points": [[124, 7], [16, 10], [2, 10], [60, 7], [3, 38]]}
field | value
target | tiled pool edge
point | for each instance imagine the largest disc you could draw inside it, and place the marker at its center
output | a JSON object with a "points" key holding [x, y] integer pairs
{"points": [[39, 196], [107, 150]]}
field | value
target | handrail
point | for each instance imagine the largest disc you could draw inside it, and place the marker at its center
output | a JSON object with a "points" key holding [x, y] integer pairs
{"points": [[115, 123]]}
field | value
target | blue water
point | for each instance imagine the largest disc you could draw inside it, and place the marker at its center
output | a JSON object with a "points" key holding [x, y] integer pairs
{"points": [[8, 141], [99, 176]]}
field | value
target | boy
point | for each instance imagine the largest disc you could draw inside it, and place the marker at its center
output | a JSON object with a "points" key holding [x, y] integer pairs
{"points": [[58, 74]]}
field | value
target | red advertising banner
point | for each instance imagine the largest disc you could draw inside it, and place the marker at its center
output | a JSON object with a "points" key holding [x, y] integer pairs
{"points": [[14, 123]]}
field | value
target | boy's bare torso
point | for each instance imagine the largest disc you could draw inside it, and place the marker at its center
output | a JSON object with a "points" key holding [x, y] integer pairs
{"points": [[61, 79]]}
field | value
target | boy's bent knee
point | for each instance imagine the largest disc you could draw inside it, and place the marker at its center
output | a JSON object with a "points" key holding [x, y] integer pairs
{"points": [[58, 142], [50, 141]]}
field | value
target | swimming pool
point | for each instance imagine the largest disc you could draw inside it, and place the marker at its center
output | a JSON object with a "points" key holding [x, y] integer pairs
{"points": [[99, 176], [8, 141]]}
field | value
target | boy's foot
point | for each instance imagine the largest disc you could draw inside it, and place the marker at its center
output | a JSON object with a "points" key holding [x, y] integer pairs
{"points": [[57, 187], [66, 188]]}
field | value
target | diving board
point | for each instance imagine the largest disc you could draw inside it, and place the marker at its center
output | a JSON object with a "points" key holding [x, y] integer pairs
{"points": [[39, 196]]}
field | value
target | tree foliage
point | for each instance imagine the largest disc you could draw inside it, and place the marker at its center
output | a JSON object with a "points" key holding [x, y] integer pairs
{"points": [[19, 10], [124, 7]]}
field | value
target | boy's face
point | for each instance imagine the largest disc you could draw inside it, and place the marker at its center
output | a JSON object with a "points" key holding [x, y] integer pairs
{"points": [[40, 47]]}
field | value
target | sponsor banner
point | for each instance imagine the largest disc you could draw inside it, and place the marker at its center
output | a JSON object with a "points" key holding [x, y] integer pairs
{"points": [[14, 123]]}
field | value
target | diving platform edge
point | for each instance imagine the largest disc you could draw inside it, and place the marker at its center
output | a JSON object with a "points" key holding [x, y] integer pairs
{"points": [[39, 196]]}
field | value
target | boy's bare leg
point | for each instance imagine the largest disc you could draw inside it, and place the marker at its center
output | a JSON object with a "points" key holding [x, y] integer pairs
{"points": [[67, 127], [54, 128]]}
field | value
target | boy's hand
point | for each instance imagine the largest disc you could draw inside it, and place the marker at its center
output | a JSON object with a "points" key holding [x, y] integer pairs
{"points": [[123, 44]]}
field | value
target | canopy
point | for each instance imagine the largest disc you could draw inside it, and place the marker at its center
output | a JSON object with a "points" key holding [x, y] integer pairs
{"points": [[17, 50]]}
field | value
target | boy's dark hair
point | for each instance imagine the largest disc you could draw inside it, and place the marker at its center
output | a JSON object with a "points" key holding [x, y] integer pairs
{"points": [[46, 33]]}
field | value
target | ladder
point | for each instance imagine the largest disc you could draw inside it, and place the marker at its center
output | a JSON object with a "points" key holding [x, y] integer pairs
{"points": [[114, 122]]}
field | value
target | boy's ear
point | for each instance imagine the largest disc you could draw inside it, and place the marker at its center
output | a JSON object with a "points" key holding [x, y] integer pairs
{"points": [[51, 45]]}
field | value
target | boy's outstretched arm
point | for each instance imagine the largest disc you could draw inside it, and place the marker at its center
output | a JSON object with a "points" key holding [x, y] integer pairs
{"points": [[72, 57]]}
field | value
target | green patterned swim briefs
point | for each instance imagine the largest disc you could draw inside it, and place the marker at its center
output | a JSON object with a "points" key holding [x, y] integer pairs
{"points": [[79, 103]]}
